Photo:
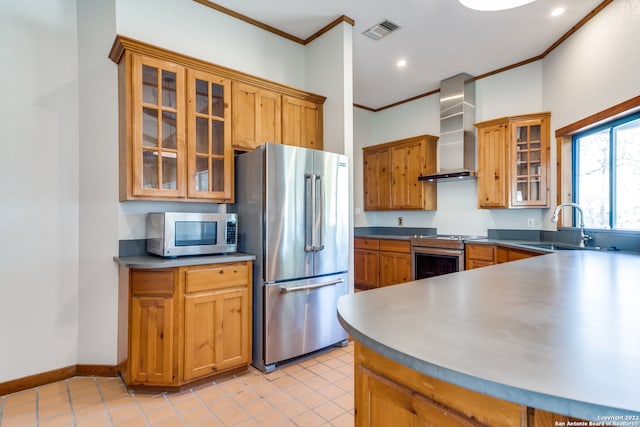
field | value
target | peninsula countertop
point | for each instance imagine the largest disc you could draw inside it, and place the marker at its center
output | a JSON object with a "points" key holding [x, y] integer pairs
{"points": [[558, 332]]}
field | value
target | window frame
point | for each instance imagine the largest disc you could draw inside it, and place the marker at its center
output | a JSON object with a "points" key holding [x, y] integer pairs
{"points": [[563, 176], [611, 125]]}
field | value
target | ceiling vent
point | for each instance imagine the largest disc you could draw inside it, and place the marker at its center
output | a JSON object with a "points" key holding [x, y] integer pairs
{"points": [[381, 30]]}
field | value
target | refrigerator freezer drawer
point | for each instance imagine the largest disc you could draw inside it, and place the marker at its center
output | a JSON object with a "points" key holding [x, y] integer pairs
{"points": [[301, 316]]}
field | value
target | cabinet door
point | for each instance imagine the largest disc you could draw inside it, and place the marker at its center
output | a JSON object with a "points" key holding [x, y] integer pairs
{"points": [[301, 123], [151, 340], [477, 256], [365, 268], [529, 162], [210, 168], [407, 164], [377, 179], [216, 331], [232, 322], [492, 166], [394, 268], [199, 335], [256, 116], [384, 402], [157, 129]]}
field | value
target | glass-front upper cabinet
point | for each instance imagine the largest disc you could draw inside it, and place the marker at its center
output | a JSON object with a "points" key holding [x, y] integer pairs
{"points": [[530, 150], [158, 134], [209, 137]]}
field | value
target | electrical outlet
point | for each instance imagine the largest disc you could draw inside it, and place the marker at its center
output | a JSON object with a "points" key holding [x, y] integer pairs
{"points": [[400, 220], [358, 211], [531, 222]]}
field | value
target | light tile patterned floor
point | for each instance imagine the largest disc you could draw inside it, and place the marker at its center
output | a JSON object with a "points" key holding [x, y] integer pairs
{"points": [[314, 391]]}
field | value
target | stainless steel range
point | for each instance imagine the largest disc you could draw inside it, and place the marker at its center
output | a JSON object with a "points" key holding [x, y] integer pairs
{"points": [[437, 255]]}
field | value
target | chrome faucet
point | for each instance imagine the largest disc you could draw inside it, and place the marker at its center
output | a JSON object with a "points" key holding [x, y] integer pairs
{"points": [[583, 236]]}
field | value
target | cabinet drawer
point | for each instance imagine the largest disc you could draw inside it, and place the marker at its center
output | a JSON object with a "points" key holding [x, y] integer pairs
{"points": [[364, 243], [516, 254], [152, 282], [402, 246], [211, 277], [481, 252]]}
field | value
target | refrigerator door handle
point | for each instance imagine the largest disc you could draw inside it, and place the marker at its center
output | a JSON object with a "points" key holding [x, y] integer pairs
{"points": [[319, 205], [284, 288], [309, 212]]}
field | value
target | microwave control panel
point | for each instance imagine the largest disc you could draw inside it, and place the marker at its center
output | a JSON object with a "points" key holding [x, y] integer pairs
{"points": [[231, 233]]}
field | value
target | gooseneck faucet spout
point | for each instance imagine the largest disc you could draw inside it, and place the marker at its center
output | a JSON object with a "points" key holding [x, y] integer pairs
{"points": [[583, 236]]}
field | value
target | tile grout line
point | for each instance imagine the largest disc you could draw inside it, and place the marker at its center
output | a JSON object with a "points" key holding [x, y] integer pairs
{"points": [[206, 405], [137, 402], [229, 396], [37, 407], [184, 422], [70, 400], [273, 407], [106, 408]]}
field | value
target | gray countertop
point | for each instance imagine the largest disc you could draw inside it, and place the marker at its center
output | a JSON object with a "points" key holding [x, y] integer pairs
{"points": [[384, 236], [148, 261], [559, 332]]}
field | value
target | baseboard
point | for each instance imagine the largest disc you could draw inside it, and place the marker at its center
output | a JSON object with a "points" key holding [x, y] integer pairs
{"points": [[96, 371], [44, 378]]}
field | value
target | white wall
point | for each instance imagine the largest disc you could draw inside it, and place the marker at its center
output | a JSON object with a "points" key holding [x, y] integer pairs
{"points": [[98, 165], [199, 31], [597, 67], [517, 91], [39, 175]]}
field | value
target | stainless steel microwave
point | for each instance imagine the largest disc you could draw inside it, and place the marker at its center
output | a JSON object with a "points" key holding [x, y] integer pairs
{"points": [[173, 234]]}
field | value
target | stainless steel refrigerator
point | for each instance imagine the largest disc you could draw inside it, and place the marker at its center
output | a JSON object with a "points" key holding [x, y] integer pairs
{"points": [[292, 207]]}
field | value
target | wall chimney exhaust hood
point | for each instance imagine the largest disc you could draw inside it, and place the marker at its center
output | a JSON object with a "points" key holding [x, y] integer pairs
{"points": [[456, 146]]}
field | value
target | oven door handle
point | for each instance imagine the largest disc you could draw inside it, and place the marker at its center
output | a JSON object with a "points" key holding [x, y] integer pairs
{"points": [[437, 251]]}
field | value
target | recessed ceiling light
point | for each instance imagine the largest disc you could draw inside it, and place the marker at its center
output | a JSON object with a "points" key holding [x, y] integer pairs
{"points": [[557, 11], [491, 5], [401, 63]]}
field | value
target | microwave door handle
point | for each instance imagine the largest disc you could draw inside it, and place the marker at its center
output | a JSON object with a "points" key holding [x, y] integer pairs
{"points": [[319, 243], [309, 187]]}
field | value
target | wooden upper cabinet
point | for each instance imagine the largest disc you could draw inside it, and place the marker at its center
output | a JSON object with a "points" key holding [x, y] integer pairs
{"points": [[152, 133], [210, 167], [257, 116], [391, 174], [492, 171], [377, 182], [513, 162], [181, 119], [407, 164], [301, 123], [530, 161]]}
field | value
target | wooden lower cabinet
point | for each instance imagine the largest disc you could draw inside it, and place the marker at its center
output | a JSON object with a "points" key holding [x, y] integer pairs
{"points": [[395, 262], [152, 328], [390, 394], [381, 262], [179, 325], [482, 255], [477, 256]]}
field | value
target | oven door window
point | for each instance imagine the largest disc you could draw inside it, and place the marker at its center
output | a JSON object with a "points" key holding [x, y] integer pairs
{"points": [[196, 233], [429, 265]]}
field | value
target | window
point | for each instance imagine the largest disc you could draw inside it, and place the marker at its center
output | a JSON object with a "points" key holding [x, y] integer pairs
{"points": [[606, 177]]}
